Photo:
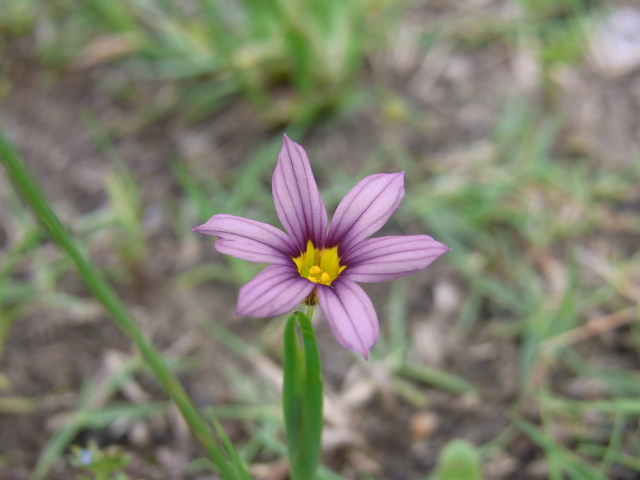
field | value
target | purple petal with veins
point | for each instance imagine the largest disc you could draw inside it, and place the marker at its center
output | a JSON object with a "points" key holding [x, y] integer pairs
{"points": [[252, 252], [350, 314], [365, 209], [297, 198], [272, 292], [386, 258], [249, 239]]}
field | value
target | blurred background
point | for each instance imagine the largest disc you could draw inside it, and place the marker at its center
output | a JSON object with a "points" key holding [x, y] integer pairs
{"points": [[518, 124]]}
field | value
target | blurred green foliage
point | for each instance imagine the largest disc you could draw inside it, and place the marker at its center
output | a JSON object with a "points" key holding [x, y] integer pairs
{"points": [[107, 464], [459, 460], [218, 48]]}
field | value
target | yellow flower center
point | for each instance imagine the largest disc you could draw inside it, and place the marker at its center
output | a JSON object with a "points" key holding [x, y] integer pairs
{"points": [[320, 265]]}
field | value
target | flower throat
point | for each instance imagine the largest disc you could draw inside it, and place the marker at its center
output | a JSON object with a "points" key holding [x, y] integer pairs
{"points": [[320, 265]]}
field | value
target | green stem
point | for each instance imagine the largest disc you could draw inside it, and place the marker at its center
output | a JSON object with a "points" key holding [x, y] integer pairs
{"points": [[35, 197], [302, 397]]}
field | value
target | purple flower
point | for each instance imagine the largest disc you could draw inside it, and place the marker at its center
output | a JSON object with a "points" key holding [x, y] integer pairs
{"points": [[317, 263]]}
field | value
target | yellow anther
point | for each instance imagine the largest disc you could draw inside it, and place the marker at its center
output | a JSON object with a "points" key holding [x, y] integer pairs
{"points": [[319, 265]]}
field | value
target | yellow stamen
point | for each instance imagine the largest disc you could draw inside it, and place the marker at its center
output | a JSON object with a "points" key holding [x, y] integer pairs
{"points": [[320, 265]]}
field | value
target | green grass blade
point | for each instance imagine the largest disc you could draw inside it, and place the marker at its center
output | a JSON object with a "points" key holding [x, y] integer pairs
{"points": [[239, 465], [438, 378], [55, 447], [620, 457], [569, 462], [35, 197]]}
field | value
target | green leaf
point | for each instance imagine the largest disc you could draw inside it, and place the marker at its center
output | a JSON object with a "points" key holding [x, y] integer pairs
{"points": [[302, 398], [459, 460]]}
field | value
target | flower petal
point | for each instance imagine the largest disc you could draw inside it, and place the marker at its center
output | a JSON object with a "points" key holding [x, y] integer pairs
{"points": [[365, 209], [272, 292], [249, 240], [297, 198], [350, 314], [387, 258]]}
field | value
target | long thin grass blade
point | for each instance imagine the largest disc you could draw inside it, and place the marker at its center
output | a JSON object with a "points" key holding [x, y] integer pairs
{"points": [[35, 197]]}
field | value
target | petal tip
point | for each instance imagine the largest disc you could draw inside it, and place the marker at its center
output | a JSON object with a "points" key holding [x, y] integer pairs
{"points": [[445, 248], [441, 249], [357, 347], [289, 142], [397, 176], [362, 349], [439, 246]]}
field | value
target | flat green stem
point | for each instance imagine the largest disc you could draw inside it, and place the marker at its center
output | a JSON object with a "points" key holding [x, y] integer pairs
{"points": [[302, 397], [35, 197]]}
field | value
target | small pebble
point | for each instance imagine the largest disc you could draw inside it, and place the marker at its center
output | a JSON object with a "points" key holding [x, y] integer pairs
{"points": [[423, 425]]}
